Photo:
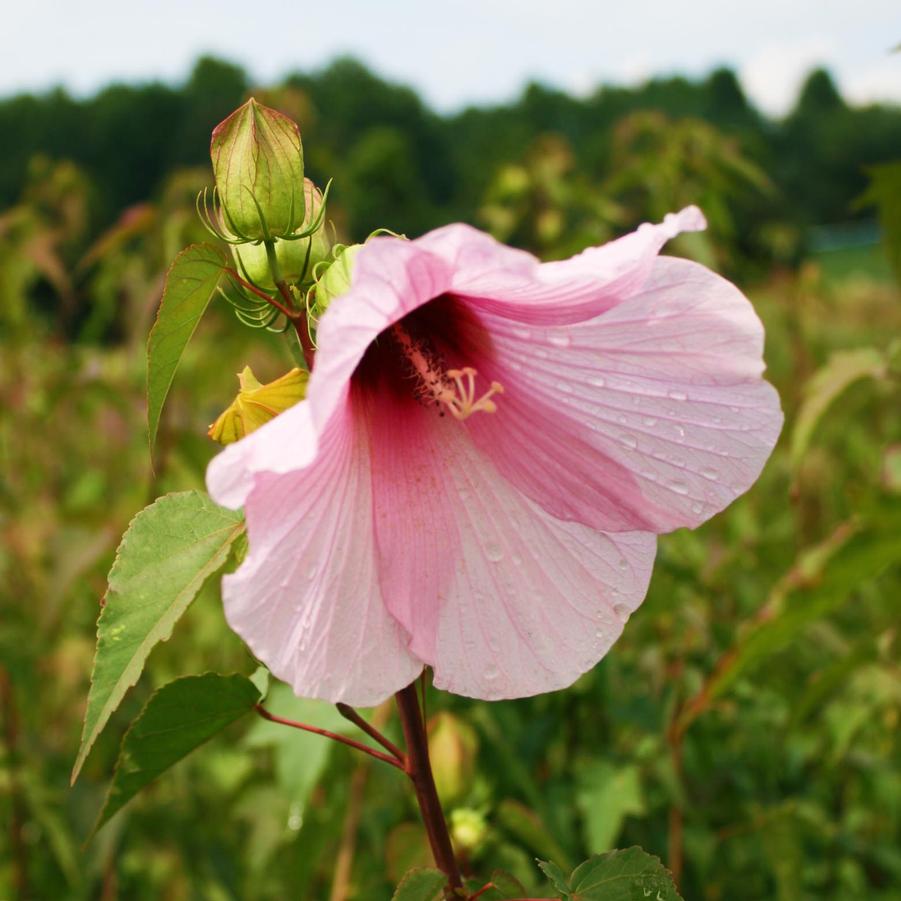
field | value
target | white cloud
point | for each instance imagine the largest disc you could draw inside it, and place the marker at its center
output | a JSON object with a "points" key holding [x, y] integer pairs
{"points": [[773, 73], [881, 80]]}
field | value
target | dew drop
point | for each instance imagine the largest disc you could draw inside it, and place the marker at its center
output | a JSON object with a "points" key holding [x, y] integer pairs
{"points": [[559, 340], [680, 433], [649, 420], [523, 333], [628, 441], [623, 563], [597, 380], [710, 473], [494, 552], [677, 395], [621, 611], [696, 507], [491, 673], [678, 487]]}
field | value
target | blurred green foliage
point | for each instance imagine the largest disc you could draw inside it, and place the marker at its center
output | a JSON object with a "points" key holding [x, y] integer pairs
{"points": [[744, 729]]}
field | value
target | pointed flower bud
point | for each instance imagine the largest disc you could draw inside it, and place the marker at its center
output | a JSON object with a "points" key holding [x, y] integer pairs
{"points": [[296, 257], [336, 280], [258, 163], [256, 404]]}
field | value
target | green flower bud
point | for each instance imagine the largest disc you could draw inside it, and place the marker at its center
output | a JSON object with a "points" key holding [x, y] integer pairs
{"points": [[468, 828], [291, 255], [453, 745], [337, 278], [258, 163]]}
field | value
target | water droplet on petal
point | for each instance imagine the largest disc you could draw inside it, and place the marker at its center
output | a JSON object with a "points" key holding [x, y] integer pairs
{"points": [[696, 507], [559, 340], [649, 420], [494, 552], [710, 473], [597, 380], [491, 673], [523, 333], [678, 487], [622, 611], [677, 395], [628, 441]]}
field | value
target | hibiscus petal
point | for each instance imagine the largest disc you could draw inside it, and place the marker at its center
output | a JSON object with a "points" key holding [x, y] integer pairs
{"points": [[416, 535], [391, 278], [283, 444], [534, 602], [513, 284], [307, 599], [651, 416]]}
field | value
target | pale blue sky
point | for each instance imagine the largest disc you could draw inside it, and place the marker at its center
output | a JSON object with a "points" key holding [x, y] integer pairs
{"points": [[460, 51]]}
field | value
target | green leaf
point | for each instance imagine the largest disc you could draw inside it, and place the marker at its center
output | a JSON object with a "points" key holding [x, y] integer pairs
{"points": [[607, 795], [178, 718], [623, 876], [421, 885], [169, 550], [884, 192], [555, 874], [827, 384], [190, 284], [630, 875], [824, 579], [525, 825], [505, 886]]}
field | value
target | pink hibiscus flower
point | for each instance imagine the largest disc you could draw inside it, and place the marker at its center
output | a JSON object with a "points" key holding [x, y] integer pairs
{"points": [[488, 448]]}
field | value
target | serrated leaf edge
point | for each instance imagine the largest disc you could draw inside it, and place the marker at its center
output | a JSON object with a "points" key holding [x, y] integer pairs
{"points": [[88, 740]]}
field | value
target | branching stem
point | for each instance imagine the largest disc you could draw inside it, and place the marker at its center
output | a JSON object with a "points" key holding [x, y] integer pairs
{"points": [[343, 739], [350, 714]]}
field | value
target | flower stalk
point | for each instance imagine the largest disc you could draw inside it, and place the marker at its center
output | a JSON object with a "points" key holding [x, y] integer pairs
{"points": [[419, 768]]}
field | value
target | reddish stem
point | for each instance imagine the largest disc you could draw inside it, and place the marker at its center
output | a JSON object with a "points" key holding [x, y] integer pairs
{"points": [[301, 326], [343, 739], [18, 850], [419, 769], [284, 310], [350, 714]]}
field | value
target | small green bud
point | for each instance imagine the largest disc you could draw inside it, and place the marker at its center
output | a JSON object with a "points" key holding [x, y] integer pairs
{"points": [[258, 164], [468, 828], [453, 745], [337, 278], [291, 255]]}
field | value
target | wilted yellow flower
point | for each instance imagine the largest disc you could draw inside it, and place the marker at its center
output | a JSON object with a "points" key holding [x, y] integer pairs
{"points": [[256, 404]]}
